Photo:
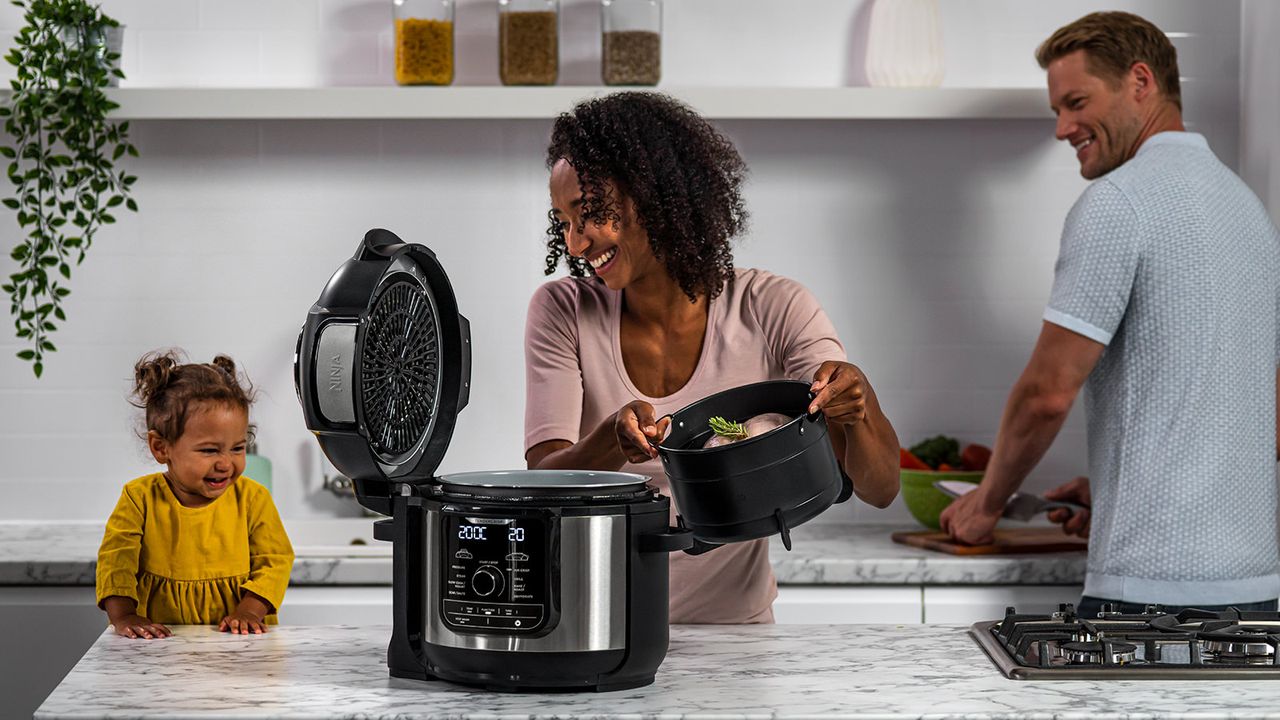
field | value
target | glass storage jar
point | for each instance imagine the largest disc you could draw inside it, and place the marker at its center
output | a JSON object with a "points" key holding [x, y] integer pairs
{"points": [[632, 41], [424, 41], [528, 41]]}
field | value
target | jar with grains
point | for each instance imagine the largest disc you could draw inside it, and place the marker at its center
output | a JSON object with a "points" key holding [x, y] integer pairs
{"points": [[424, 41], [632, 37], [528, 41]]}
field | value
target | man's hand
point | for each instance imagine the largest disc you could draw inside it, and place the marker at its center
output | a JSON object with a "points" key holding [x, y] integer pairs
{"points": [[968, 520], [135, 626], [1074, 522], [636, 427]]}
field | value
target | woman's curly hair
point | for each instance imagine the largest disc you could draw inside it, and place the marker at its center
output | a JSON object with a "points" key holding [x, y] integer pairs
{"points": [[683, 177]]}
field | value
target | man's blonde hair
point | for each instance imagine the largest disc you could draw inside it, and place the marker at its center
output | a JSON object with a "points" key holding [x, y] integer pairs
{"points": [[1113, 42]]}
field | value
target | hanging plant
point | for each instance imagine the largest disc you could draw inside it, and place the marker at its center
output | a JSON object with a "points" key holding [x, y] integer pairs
{"points": [[61, 156]]}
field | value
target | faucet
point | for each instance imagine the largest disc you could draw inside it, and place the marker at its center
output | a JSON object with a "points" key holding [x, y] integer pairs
{"points": [[339, 485]]}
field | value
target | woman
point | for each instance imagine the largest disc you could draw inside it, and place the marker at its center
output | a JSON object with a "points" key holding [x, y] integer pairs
{"points": [[645, 196]]}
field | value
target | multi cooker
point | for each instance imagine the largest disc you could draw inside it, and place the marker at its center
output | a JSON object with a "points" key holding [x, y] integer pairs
{"points": [[518, 580]]}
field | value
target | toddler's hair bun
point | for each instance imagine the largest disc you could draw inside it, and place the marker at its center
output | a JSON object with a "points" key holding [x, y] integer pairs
{"points": [[168, 389], [153, 373], [226, 365]]}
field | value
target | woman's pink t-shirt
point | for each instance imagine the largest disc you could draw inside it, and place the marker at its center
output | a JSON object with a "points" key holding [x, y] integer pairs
{"points": [[762, 327]]}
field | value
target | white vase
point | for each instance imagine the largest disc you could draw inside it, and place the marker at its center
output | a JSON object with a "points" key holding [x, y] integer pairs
{"points": [[904, 44]]}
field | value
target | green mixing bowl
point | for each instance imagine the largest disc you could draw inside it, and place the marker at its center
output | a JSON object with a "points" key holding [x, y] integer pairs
{"points": [[923, 500]]}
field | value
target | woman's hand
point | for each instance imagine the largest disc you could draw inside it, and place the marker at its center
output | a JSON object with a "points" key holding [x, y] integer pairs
{"points": [[636, 427], [840, 391], [135, 626]]}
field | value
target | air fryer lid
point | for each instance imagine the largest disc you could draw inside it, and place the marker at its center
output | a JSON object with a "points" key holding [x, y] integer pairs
{"points": [[383, 366]]}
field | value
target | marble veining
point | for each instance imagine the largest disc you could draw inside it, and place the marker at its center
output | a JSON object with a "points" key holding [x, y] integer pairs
{"points": [[931, 672], [63, 553]]}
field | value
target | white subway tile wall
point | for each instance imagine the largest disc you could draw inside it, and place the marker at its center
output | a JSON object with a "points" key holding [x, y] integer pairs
{"points": [[930, 243]]}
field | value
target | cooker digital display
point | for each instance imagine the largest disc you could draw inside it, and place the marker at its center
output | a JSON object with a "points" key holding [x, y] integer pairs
{"points": [[496, 573]]}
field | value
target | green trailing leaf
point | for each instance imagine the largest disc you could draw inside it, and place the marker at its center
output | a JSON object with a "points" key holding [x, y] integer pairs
{"points": [[62, 149], [727, 429]]}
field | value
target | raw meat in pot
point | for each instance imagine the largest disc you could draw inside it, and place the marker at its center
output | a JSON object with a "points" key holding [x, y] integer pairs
{"points": [[762, 424], [727, 433]]}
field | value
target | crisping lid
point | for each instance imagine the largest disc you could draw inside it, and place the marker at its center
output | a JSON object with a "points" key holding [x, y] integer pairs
{"points": [[384, 366]]}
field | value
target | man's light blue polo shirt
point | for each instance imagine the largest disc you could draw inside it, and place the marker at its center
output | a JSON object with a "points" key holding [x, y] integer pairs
{"points": [[1173, 264]]}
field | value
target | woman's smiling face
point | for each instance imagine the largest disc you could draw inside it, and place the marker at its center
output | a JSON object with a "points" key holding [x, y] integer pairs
{"points": [[209, 455], [618, 252]]}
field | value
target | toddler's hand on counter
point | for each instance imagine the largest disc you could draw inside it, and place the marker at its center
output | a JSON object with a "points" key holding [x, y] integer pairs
{"points": [[138, 627], [242, 622]]}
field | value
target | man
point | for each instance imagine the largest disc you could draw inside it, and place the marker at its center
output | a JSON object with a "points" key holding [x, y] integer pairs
{"points": [[1165, 299]]}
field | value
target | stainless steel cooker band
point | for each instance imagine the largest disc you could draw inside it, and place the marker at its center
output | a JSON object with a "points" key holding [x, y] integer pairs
{"points": [[593, 591]]}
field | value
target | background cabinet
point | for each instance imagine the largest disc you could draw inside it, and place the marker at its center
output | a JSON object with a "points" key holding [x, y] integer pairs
{"points": [[840, 605], [47, 630], [969, 604]]}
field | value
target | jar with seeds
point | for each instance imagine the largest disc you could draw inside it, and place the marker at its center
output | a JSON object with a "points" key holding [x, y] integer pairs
{"points": [[528, 41], [632, 38], [423, 41]]}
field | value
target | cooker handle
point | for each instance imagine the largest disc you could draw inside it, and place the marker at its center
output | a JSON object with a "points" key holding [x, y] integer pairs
{"points": [[379, 243], [846, 483], [846, 486], [671, 540]]}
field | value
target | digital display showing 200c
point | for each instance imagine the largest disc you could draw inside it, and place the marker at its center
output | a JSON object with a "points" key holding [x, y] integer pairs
{"points": [[477, 532]]}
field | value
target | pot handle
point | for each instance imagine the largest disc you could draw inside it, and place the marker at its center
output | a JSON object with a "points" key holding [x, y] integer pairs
{"points": [[671, 540], [846, 484], [846, 487], [656, 422]]}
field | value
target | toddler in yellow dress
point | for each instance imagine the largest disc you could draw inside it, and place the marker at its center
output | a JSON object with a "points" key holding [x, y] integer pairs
{"points": [[198, 543]]}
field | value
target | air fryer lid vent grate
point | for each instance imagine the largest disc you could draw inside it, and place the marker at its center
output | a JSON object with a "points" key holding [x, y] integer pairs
{"points": [[400, 369]]}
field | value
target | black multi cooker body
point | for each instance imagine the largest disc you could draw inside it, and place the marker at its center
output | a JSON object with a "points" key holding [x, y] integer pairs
{"points": [[520, 580], [530, 579]]}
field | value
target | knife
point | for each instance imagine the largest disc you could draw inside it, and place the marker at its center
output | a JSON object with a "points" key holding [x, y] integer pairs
{"points": [[1021, 506]]}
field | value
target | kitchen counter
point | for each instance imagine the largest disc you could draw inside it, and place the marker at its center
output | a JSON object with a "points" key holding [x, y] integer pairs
{"points": [[63, 553], [711, 672]]}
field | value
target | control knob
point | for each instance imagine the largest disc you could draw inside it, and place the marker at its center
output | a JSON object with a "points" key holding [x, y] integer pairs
{"points": [[487, 581]]}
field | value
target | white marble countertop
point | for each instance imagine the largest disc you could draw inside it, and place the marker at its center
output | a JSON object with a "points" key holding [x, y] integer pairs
{"points": [[711, 673], [63, 553]]}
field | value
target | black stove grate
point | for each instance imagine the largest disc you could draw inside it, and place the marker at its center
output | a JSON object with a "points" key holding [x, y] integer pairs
{"points": [[1190, 644], [400, 366]]}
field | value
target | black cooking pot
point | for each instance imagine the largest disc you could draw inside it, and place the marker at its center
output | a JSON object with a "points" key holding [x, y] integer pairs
{"points": [[759, 486]]}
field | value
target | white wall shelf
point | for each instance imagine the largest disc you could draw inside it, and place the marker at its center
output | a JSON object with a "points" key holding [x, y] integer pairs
{"points": [[726, 103]]}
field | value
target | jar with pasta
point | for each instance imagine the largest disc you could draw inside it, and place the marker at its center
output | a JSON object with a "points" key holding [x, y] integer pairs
{"points": [[528, 41], [423, 41], [632, 42]]}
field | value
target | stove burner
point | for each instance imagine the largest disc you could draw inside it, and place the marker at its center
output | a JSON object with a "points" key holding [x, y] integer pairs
{"points": [[1104, 652], [1241, 643], [1191, 644]]}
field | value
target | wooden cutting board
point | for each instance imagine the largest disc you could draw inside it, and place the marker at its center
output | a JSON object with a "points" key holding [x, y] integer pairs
{"points": [[1007, 542]]}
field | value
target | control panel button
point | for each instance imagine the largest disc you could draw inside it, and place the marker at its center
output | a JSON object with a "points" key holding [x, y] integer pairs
{"points": [[487, 581]]}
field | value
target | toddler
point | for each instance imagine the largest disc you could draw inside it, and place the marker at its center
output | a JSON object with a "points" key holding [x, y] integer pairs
{"points": [[198, 543]]}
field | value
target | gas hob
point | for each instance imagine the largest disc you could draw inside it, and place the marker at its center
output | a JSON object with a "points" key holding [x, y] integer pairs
{"points": [[1155, 645]]}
